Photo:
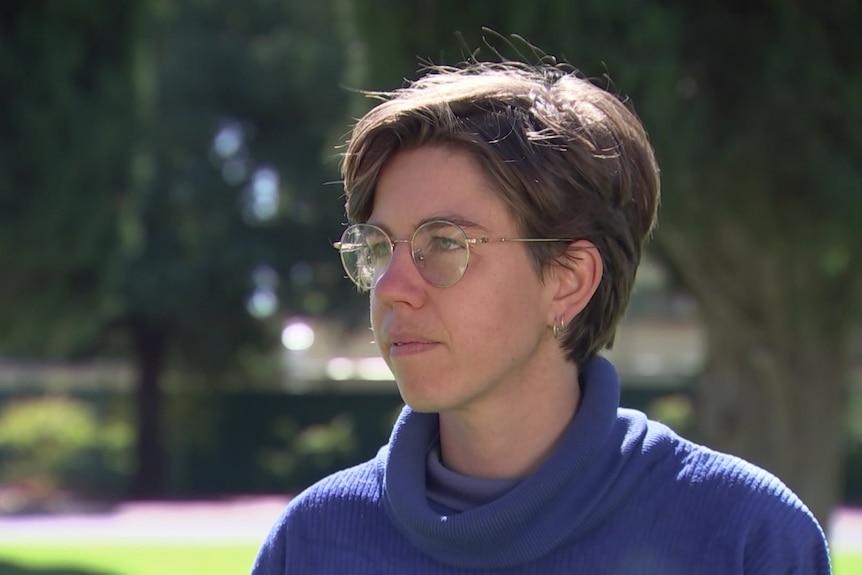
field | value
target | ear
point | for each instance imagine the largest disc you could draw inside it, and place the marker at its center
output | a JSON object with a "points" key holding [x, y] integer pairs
{"points": [[575, 281]]}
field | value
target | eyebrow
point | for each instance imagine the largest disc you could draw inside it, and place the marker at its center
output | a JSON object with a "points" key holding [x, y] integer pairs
{"points": [[456, 219]]}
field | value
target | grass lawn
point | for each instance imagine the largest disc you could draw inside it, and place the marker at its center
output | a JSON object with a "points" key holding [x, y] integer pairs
{"points": [[126, 559], [845, 564], [172, 560]]}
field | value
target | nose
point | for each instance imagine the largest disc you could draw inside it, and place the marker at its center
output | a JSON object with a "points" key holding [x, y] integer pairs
{"points": [[400, 281]]}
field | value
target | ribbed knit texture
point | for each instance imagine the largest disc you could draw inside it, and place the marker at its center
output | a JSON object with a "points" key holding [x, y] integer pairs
{"points": [[620, 495]]}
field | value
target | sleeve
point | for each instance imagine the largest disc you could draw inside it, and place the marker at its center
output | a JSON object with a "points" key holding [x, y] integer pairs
{"points": [[788, 541]]}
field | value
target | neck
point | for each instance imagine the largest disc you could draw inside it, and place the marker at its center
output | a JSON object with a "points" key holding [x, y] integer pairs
{"points": [[511, 435]]}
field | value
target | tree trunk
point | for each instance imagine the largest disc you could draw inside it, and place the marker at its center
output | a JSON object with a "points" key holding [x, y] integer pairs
{"points": [[777, 399], [148, 479]]}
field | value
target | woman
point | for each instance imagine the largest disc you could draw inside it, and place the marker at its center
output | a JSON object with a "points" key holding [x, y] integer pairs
{"points": [[498, 213]]}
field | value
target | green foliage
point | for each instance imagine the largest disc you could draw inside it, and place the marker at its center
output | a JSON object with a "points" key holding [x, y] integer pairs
{"points": [[162, 183], [854, 411], [238, 109], [313, 449], [55, 443], [675, 411], [118, 206], [66, 125]]}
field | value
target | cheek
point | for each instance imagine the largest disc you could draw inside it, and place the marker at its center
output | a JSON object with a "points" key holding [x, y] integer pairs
{"points": [[510, 309], [375, 312], [488, 319]]}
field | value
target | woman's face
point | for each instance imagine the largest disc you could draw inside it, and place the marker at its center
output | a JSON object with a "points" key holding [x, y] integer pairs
{"points": [[482, 339]]}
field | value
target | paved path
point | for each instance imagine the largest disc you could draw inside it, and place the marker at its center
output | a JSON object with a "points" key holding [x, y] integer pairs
{"points": [[237, 521], [240, 521], [846, 529]]}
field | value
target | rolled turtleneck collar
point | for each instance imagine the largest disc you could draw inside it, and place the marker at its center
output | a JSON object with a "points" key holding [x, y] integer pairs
{"points": [[451, 492], [574, 488]]}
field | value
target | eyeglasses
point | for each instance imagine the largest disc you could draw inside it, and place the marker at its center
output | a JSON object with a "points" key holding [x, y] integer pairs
{"points": [[440, 250]]}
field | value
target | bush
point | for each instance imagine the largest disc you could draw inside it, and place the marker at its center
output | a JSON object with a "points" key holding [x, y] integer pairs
{"points": [[55, 444], [310, 452]]}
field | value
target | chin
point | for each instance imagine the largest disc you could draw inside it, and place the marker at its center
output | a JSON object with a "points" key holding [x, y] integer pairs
{"points": [[418, 398]]}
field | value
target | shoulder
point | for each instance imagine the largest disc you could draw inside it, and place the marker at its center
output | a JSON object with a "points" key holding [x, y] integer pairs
{"points": [[727, 476], [355, 486], [709, 480], [754, 515], [720, 480], [318, 517]]}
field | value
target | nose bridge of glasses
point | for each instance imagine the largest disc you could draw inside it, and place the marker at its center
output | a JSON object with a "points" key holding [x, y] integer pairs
{"points": [[389, 269], [410, 245], [394, 244], [395, 250]]}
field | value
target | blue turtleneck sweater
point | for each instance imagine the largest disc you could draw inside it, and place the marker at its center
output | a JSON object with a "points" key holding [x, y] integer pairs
{"points": [[620, 495]]}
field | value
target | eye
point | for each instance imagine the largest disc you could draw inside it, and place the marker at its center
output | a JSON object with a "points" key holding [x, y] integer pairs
{"points": [[438, 238], [440, 243], [378, 249]]}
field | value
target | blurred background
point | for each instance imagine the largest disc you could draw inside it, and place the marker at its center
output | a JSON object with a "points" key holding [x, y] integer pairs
{"points": [[175, 325]]}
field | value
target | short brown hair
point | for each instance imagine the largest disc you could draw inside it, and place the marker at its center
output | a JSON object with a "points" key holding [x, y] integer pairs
{"points": [[568, 158]]}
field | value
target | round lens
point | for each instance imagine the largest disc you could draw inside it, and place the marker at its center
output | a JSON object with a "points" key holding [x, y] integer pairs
{"points": [[441, 252], [365, 253]]}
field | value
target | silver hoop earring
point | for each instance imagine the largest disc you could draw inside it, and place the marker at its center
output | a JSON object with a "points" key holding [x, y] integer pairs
{"points": [[559, 327]]}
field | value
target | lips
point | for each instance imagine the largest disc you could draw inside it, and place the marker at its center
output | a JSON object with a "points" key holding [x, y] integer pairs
{"points": [[403, 344], [399, 336], [410, 348], [409, 341]]}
